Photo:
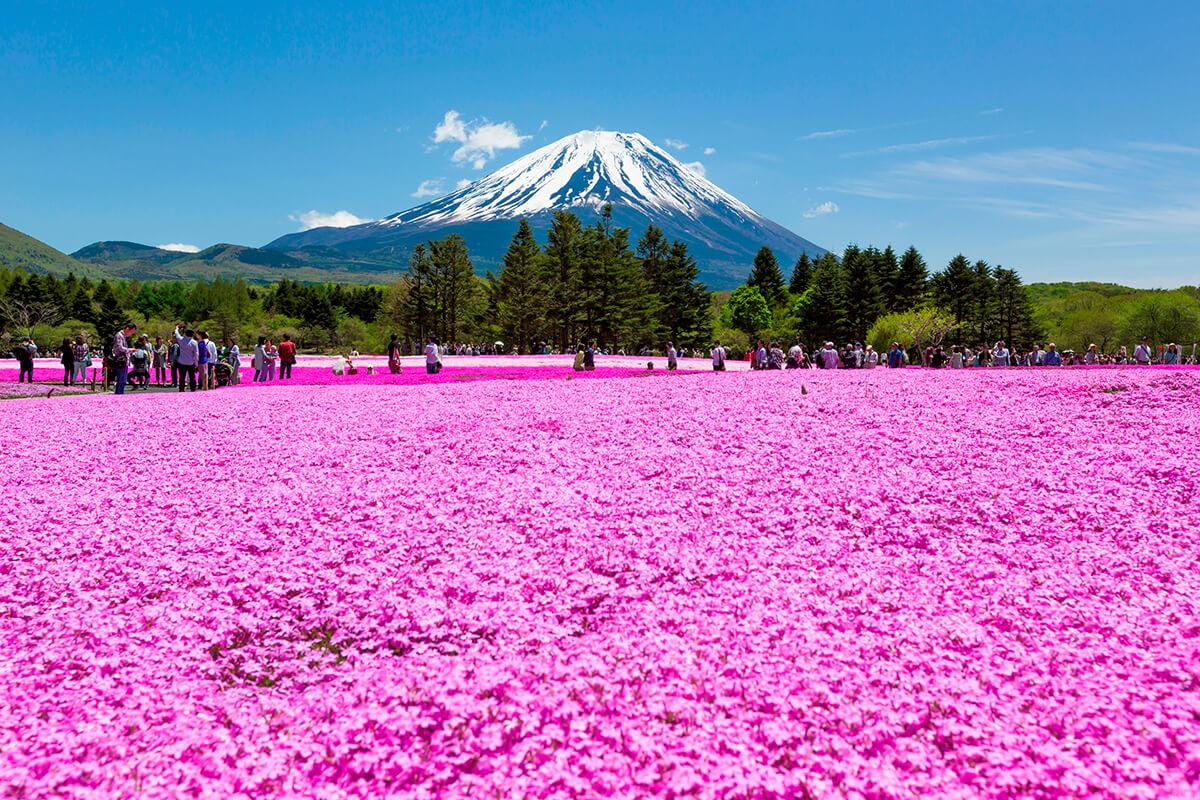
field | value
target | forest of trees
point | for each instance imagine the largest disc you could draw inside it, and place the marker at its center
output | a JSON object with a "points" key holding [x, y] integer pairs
{"points": [[591, 283]]}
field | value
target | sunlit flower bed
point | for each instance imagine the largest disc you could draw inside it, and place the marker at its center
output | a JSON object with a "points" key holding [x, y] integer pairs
{"points": [[858, 584]]}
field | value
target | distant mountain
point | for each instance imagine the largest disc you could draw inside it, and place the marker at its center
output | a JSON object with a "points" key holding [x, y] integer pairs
{"points": [[581, 172], [22, 250], [130, 261]]}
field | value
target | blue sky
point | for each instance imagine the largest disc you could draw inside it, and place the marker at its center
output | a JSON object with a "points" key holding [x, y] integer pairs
{"points": [[1062, 138]]}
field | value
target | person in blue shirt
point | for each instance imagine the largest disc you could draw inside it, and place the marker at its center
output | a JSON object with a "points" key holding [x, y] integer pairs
{"points": [[1051, 357], [895, 356]]}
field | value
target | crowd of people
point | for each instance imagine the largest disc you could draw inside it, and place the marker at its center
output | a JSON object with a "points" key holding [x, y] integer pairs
{"points": [[855, 355], [189, 360]]}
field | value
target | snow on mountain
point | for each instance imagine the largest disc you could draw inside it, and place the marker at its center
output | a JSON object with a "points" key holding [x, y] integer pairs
{"points": [[588, 168], [580, 172]]}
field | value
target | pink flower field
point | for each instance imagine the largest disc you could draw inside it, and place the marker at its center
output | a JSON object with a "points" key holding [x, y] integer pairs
{"points": [[861, 584]]}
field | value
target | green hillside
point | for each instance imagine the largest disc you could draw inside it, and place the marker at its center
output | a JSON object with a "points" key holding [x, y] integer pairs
{"points": [[21, 250], [133, 261]]}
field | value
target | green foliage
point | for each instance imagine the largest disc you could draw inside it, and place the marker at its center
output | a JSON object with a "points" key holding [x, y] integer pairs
{"points": [[801, 275], [767, 277], [748, 310], [1165, 317], [519, 292], [914, 329]]}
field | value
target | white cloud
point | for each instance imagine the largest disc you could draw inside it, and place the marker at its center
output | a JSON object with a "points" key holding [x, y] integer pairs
{"points": [[1038, 166], [928, 144], [708, 151], [821, 209], [675, 144], [464, 183], [990, 111], [827, 134], [319, 219], [1166, 147], [430, 188], [478, 139], [177, 247], [698, 168]]}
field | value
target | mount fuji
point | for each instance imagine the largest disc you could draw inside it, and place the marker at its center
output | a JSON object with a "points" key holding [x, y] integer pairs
{"points": [[581, 173]]}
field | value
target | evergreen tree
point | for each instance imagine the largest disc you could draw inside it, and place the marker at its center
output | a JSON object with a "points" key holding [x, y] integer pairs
{"points": [[983, 291], [108, 315], [822, 312], [453, 284], [685, 309], [861, 301], [1014, 316], [767, 277], [801, 275], [912, 282], [81, 307], [887, 277], [951, 288], [417, 308], [562, 267], [518, 291]]}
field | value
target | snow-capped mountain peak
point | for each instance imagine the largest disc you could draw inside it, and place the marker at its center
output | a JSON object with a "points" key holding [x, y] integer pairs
{"points": [[581, 172], [588, 168]]}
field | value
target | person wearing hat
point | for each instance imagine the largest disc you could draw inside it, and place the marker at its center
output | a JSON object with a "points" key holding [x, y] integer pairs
{"points": [[828, 357]]}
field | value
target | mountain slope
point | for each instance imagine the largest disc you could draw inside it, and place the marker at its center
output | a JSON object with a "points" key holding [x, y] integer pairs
{"points": [[133, 261], [22, 250], [581, 172]]}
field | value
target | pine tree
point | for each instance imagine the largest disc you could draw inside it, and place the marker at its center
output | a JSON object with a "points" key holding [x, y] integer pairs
{"points": [[562, 267], [887, 277], [1014, 316], [951, 288], [81, 307], [861, 301], [685, 309], [767, 277], [801, 275], [518, 291], [108, 315], [416, 312], [454, 284], [983, 293], [912, 282], [822, 312]]}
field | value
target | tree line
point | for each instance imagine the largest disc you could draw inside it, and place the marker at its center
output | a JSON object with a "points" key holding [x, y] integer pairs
{"points": [[590, 283]]}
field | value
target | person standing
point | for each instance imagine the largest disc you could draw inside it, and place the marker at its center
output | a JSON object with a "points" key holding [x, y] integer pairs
{"points": [[1051, 358], [1092, 356], [83, 357], [120, 355], [186, 359], [589, 357], [160, 361], [1000, 355], [895, 356], [1142, 354], [433, 362], [202, 359], [270, 354], [870, 358], [24, 356], [67, 357], [234, 355], [718, 356], [260, 359], [173, 361], [672, 356], [287, 356], [393, 355]]}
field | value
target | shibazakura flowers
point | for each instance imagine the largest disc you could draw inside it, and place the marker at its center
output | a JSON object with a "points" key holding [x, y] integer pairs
{"points": [[882, 584]]}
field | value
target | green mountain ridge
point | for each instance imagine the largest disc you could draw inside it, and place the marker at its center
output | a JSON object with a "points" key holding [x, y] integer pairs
{"points": [[19, 249]]}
